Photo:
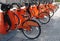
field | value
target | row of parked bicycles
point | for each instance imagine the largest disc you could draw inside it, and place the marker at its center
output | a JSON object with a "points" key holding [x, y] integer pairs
{"points": [[14, 16]]}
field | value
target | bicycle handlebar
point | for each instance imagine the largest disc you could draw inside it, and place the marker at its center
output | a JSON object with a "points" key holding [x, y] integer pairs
{"points": [[11, 4], [15, 4], [1, 3]]}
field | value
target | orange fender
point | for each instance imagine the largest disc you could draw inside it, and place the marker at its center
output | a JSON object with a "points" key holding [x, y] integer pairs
{"points": [[12, 19], [34, 11], [2, 26]]}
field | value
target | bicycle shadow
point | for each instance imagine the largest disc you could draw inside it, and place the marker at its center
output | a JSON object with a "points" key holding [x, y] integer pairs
{"points": [[29, 40], [21, 39]]}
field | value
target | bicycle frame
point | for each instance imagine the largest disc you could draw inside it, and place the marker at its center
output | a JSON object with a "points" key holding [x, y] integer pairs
{"points": [[21, 12]]}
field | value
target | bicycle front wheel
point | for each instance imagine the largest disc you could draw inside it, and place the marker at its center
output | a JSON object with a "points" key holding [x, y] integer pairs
{"points": [[35, 29], [45, 19]]}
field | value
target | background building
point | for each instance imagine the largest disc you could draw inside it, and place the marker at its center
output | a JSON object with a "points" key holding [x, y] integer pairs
{"points": [[21, 1]]}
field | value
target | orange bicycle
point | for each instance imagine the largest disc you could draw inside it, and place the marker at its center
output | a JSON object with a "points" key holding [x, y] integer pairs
{"points": [[49, 8], [30, 27], [45, 8], [39, 14], [16, 19]]}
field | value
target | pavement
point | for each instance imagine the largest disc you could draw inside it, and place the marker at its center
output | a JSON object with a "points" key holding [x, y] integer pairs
{"points": [[50, 31]]}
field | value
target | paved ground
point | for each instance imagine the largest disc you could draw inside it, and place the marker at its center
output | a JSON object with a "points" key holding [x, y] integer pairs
{"points": [[50, 32]]}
